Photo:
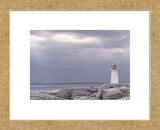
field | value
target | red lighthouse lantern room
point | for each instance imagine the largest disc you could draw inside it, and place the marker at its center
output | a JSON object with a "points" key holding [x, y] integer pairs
{"points": [[114, 66]]}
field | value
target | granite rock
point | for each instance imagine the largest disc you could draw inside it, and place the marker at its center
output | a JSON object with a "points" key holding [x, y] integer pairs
{"points": [[112, 93], [103, 92], [79, 93], [64, 93]]}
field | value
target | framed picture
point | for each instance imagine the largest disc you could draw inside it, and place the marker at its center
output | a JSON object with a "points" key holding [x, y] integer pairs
{"points": [[79, 64], [93, 68]]}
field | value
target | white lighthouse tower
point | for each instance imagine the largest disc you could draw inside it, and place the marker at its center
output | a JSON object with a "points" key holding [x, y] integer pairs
{"points": [[114, 74]]}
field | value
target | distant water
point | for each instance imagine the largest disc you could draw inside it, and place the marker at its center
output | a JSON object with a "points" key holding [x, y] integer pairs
{"points": [[34, 88]]}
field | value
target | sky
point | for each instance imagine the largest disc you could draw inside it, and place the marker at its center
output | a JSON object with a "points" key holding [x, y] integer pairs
{"points": [[65, 56]]}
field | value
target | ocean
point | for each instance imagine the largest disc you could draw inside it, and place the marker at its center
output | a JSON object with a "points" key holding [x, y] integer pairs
{"points": [[34, 88]]}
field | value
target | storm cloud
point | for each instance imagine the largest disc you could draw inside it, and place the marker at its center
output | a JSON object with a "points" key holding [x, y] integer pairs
{"points": [[60, 56]]}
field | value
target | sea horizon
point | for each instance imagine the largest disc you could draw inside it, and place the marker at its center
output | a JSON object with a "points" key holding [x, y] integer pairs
{"points": [[73, 83], [58, 86]]}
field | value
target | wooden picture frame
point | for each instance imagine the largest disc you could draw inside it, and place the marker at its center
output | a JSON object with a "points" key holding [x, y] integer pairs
{"points": [[151, 5]]}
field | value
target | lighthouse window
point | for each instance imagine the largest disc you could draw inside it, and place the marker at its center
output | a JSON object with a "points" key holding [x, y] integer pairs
{"points": [[114, 66]]}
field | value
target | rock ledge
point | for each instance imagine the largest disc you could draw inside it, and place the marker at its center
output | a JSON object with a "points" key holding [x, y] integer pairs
{"points": [[104, 92]]}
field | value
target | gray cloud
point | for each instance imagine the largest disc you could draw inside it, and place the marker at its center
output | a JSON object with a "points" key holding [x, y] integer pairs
{"points": [[79, 55]]}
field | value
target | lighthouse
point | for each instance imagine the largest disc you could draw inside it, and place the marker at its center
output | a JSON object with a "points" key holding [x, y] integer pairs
{"points": [[114, 74]]}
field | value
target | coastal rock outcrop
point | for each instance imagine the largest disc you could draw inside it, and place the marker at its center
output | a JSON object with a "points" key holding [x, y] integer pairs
{"points": [[103, 92], [79, 93], [112, 93], [64, 93]]}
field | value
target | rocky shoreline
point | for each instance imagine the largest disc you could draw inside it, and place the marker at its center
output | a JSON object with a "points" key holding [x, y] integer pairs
{"points": [[104, 92]]}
